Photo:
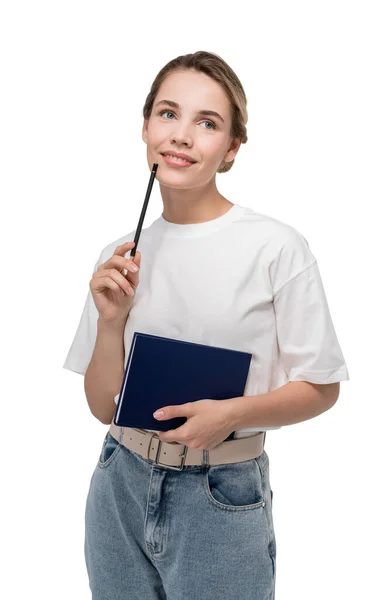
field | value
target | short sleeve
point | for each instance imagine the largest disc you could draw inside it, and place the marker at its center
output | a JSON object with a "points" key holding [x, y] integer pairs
{"points": [[307, 340], [82, 347]]}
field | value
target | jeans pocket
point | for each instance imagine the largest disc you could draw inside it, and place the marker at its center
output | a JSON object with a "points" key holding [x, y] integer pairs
{"points": [[234, 486], [110, 449], [264, 466]]}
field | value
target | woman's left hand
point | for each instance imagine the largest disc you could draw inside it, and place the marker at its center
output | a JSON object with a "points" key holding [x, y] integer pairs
{"points": [[209, 422]]}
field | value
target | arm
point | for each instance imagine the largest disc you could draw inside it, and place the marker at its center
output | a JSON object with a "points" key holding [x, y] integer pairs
{"points": [[103, 378], [291, 403]]}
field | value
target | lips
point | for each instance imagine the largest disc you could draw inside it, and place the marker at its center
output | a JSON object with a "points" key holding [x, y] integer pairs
{"points": [[177, 163], [179, 155]]}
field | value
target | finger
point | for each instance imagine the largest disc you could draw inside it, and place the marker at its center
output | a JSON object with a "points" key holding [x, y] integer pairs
{"points": [[133, 260], [121, 263], [137, 258], [169, 412], [122, 249], [123, 281], [119, 252], [132, 276], [115, 276], [170, 436], [103, 283]]}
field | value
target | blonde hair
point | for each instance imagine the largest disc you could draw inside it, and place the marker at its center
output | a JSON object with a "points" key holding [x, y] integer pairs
{"points": [[215, 67]]}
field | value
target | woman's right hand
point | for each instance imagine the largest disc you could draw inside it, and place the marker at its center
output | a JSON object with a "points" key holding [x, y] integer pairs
{"points": [[112, 290]]}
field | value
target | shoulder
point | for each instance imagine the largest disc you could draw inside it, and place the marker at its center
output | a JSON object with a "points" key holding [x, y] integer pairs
{"points": [[285, 249], [279, 234]]}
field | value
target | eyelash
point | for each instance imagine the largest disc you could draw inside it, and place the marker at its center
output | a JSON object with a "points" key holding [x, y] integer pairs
{"points": [[205, 120]]}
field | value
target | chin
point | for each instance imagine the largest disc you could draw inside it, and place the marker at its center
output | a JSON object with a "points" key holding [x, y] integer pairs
{"points": [[175, 186], [176, 177]]}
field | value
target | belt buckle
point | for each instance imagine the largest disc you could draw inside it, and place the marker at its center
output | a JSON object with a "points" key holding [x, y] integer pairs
{"points": [[183, 456]]}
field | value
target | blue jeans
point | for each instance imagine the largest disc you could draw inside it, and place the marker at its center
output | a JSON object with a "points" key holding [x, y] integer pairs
{"points": [[203, 533]]}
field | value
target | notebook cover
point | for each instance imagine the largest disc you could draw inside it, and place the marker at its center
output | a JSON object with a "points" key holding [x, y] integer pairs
{"points": [[163, 371]]}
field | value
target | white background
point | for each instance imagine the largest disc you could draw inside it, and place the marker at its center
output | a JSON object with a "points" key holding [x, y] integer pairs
{"points": [[74, 78]]}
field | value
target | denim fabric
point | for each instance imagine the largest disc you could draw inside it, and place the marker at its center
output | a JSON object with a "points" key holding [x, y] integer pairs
{"points": [[203, 533]]}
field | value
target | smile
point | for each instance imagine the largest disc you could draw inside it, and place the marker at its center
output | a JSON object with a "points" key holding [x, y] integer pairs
{"points": [[177, 162]]}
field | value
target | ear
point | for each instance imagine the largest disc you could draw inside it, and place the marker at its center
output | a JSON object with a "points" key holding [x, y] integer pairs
{"points": [[145, 131], [232, 150]]}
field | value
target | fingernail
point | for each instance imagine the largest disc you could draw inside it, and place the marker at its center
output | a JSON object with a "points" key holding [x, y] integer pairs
{"points": [[158, 413]]}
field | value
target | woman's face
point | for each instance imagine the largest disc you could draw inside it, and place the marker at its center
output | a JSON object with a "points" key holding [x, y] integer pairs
{"points": [[183, 129]]}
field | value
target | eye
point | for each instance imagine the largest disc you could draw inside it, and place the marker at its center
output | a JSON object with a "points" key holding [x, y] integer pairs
{"points": [[161, 113], [211, 122], [165, 111]]}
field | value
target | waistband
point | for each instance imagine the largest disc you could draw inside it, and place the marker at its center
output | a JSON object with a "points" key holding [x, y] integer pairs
{"points": [[148, 445]]}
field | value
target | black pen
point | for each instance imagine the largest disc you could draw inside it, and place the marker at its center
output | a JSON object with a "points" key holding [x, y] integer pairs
{"points": [[144, 209]]}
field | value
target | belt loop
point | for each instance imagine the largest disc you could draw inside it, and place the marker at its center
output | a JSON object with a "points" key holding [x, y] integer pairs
{"points": [[121, 432], [205, 458]]}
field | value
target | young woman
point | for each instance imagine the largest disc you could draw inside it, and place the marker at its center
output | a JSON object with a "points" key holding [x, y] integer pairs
{"points": [[183, 514]]}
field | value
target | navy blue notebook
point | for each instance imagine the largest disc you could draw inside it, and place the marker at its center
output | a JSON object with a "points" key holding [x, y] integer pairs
{"points": [[163, 371]]}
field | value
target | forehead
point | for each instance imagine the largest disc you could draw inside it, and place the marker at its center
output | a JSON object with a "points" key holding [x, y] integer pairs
{"points": [[195, 91]]}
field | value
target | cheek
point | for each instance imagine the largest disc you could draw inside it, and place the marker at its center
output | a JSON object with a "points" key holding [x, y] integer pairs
{"points": [[211, 147], [156, 134]]}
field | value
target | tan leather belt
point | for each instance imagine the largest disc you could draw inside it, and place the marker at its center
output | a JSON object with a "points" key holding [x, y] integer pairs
{"points": [[176, 456]]}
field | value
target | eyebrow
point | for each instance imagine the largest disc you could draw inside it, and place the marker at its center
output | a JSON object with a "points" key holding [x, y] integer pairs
{"points": [[205, 113]]}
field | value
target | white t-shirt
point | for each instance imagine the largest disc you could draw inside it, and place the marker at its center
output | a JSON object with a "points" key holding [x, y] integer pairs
{"points": [[244, 281]]}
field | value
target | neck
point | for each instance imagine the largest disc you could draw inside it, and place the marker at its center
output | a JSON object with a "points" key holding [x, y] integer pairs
{"points": [[193, 205]]}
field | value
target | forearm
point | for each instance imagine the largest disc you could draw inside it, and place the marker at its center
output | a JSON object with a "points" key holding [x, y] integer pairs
{"points": [[105, 372], [291, 403]]}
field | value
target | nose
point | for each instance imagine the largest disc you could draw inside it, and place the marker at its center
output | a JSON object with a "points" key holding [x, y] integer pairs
{"points": [[181, 135]]}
